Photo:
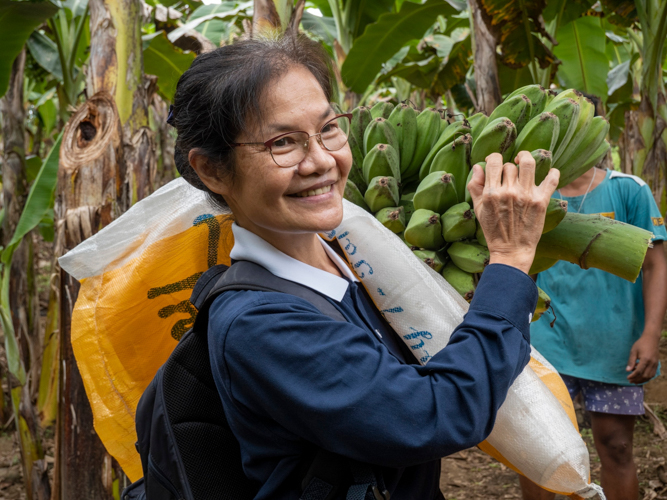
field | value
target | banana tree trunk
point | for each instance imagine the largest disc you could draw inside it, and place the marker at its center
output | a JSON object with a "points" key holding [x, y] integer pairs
{"points": [[22, 296], [107, 162], [485, 64]]}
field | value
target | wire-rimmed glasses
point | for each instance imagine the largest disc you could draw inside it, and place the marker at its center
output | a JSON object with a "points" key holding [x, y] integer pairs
{"points": [[289, 149]]}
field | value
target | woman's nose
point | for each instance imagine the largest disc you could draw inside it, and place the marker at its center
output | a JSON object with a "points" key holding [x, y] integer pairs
{"points": [[317, 159]]}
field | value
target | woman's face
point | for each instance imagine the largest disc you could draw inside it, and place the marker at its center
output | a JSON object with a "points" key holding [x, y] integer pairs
{"points": [[268, 199]]}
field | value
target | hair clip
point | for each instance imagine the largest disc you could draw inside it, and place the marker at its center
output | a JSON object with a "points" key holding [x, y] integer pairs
{"points": [[170, 117]]}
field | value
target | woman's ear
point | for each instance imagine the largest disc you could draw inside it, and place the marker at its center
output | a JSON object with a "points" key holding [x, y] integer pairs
{"points": [[208, 173]]}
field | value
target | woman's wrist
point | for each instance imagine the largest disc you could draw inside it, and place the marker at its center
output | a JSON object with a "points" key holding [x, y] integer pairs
{"points": [[520, 260]]}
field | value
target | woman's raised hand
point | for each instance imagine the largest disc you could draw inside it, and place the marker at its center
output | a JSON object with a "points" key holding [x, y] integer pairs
{"points": [[511, 208]]}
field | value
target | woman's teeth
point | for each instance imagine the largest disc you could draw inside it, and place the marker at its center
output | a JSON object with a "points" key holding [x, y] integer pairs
{"points": [[314, 192]]}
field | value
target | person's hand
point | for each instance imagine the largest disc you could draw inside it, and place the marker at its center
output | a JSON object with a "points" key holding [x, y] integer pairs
{"points": [[511, 208], [646, 351]]}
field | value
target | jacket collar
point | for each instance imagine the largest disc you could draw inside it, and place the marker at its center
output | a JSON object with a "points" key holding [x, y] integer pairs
{"points": [[248, 246]]}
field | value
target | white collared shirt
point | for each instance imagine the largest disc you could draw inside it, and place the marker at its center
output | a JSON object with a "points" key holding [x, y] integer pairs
{"points": [[248, 246]]}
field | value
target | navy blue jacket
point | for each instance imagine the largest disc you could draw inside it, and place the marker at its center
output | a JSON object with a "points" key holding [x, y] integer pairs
{"points": [[292, 379]]}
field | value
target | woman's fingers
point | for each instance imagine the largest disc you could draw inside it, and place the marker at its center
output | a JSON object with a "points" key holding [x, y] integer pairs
{"points": [[494, 170], [526, 164], [550, 182], [510, 174], [476, 185]]}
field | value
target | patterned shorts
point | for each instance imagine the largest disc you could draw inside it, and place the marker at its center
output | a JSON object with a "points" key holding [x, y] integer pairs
{"points": [[607, 398]]}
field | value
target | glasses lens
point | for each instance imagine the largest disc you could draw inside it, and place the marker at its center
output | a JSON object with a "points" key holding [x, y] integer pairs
{"points": [[335, 133], [288, 150]]}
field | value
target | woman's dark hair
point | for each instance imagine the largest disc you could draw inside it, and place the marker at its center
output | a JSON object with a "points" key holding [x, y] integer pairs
{"points": [[219, 96]]}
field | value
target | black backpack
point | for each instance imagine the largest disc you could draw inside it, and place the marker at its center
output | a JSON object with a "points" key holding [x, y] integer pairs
{"points": [[188, 451]]}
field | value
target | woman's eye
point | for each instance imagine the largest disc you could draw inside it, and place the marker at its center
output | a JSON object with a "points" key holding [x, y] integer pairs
{"points": [[284, 142], [330, 128]]}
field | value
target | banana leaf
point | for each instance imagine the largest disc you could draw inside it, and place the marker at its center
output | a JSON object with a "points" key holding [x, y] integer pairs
{"points": [[382, 39], [166, 61]]}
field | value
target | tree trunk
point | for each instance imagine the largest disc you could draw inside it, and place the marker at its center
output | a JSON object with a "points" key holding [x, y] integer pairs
{"points": [[22, 296], [107, 163], [485, 64]]}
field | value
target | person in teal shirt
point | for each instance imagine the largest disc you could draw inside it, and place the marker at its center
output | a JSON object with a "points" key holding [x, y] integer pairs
{"points": [[605, 339]]}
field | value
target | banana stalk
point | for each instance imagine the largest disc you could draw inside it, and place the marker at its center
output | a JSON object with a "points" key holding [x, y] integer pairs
{"points": [[599, 242]]}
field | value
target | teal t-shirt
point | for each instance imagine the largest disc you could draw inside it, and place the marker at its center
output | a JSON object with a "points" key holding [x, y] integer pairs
{"points": [[599, 315]]}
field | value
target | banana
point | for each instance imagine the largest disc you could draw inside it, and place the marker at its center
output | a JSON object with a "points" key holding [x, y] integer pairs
{"points": [[381, 160], [353, 194], [539, 133], [537, 95], [382, 192], [541, 264], [437, 192], [380, 131], [361, 117], [408, 206], [458, 223], [356, 174], [498, 136], [592, 161], [468, 198], [586, 115], [517, 109], [454, 159], [404, 120], [428, 131], [431, 258], [393, 218], [543, 304], [450, 133], [551, 94], [542, 159], [555, 214], [565, 94], [470, 257], [461, 281], [382, 109], [567, 111], [479, 236], [424, 230], [581, 158], [477, 123]]}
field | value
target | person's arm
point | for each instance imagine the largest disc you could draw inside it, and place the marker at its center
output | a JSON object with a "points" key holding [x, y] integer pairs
{"points": [[644, 355]]}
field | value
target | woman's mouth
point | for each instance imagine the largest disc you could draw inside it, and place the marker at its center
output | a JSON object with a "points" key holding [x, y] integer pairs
{"points": [[313, 192]]}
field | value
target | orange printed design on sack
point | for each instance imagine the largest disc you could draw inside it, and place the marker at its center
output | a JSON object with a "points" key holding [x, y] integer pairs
{"points": [[658, 221], [609, 215]]}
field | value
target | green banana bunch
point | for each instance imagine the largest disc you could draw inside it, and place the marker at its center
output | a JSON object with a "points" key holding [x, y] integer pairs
{"points": [[404, 120], [555, 214], [454, 158], [382, 192], [361, 117], [469, 256], [517, 109], [458, 223], [537, 95], [408, 205], [477, 123], [381, 160], [382, 109], [543, 304], [380, 131], [542, 159], [352, 194], [428, 131], [586, 115], [539, 133], [431, 258], [567, 111], [573, 167], [437, 192], [499, 136], [461, 281], [592, 161], [393, 218], [451, 132], [424, 230]]}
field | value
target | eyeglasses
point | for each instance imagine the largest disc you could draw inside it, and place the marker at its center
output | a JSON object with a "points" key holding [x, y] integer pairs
{"points": [[289, 149]]}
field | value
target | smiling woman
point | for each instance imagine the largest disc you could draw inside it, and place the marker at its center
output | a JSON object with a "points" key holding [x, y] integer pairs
{"points": [[257, 132]]}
